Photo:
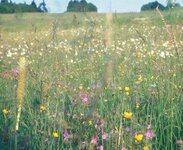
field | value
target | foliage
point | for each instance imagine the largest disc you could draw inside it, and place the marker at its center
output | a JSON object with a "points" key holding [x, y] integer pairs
{"points": [[153, 5], [4, 1], [172, 5], [42, 6], [82, 6], [6, 7]]}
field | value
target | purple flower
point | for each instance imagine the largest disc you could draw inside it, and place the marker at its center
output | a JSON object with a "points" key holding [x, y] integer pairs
{"points": [[100, 147], [94, 141], [15, 72], [84, 97], [105, 136], [149, 134], [66, 135]]}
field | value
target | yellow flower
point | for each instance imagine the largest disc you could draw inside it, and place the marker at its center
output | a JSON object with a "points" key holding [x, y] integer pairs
{"points": [[55, 134], [139, 137], [145, 148], [128, 115], [80, 86], [71, 77], [5, 111], [119, 88], [179, 86], [90, 123], [127, 88], [88, 88], [42, 109], [140, 78], [127, 93]]}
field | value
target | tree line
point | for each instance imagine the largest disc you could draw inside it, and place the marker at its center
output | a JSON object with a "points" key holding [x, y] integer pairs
{"points": [[153, 5], [7, 6], [81, 6]]}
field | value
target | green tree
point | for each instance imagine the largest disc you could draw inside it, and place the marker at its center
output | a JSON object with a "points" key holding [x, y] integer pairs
{"points": [[152, 6], [172, 4], [33, 4], [15, 8], [82, 6], [91, 7], [4, 1], [70, 6], [42, 7]]}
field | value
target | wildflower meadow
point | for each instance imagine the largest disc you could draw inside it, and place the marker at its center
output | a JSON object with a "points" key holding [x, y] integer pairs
{"points": [[88, 81]]}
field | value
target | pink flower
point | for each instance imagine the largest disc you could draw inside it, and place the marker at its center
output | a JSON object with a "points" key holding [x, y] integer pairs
{"points": [[94, 141], [123, 148], [105, 136], [84, 97], [100, 147], [149, 134], [66, 135], [15, 72]]}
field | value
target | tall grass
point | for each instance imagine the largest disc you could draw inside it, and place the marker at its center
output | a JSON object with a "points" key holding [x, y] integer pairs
{"points": [[66, 103]]}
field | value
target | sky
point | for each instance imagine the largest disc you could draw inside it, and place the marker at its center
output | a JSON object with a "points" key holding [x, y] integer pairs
{"points": [[60, 6]]}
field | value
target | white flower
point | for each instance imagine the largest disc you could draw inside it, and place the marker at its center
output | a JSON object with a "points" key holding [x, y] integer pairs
{"points": [[9, 54], [162, 54], [76, 53]]}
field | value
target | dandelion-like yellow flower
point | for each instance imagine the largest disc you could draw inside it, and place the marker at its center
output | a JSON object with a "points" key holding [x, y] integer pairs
{"points": [[55, 134], [140, 79], [119, 88], [80, 86], [42, 109], [139, 137], [5, 111], [128, 115], [127, 93], [145, 148], [127, 88]]}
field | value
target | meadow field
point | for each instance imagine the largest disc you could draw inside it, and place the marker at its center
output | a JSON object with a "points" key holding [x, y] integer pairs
{"points": [[88, 81]]}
